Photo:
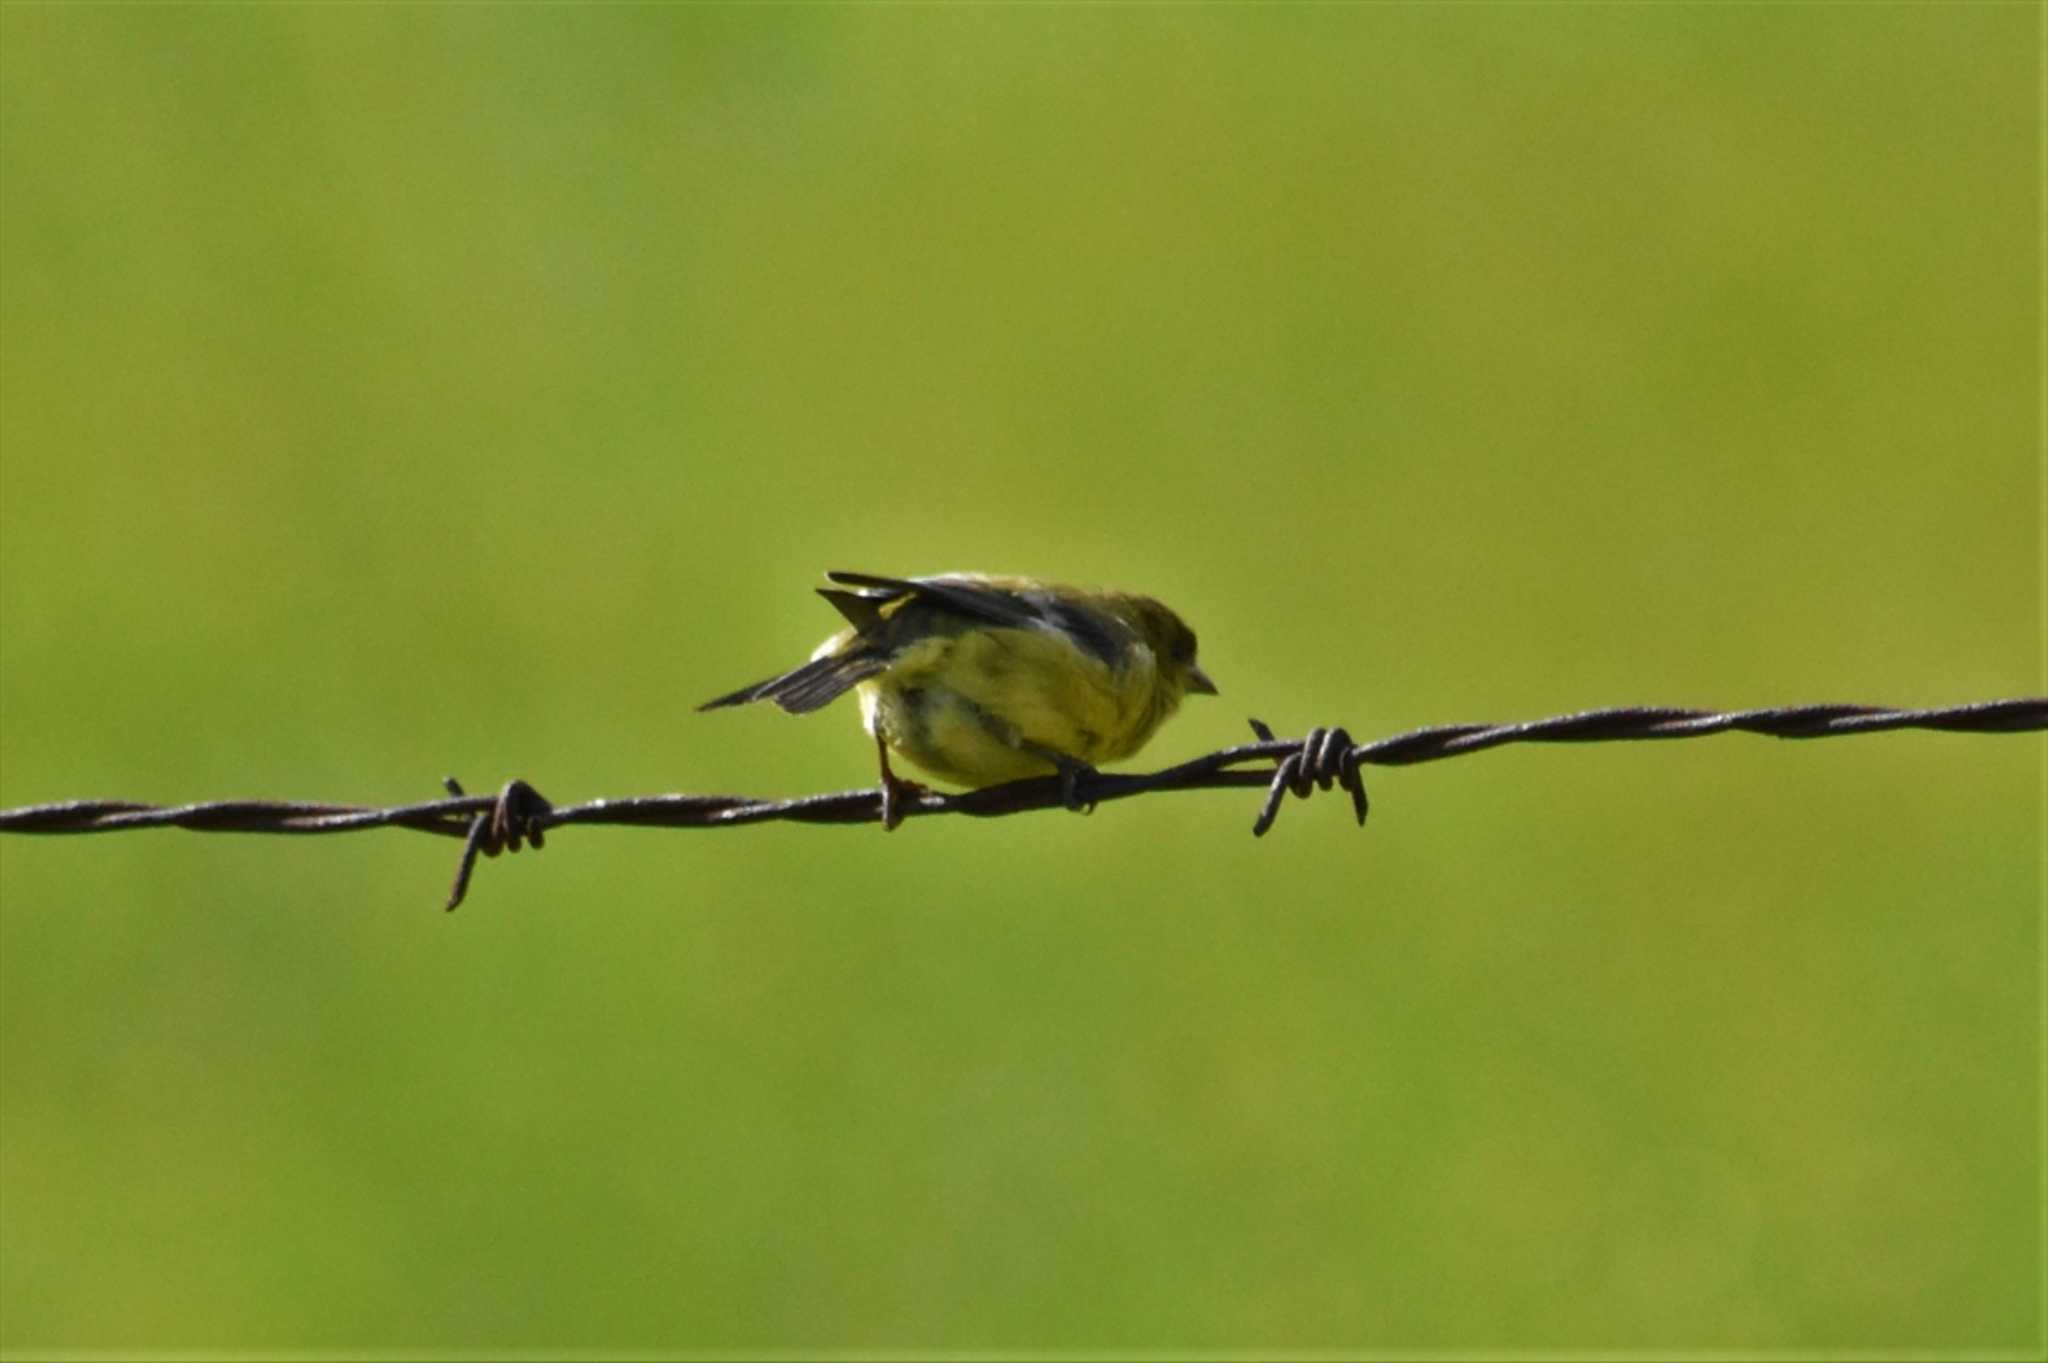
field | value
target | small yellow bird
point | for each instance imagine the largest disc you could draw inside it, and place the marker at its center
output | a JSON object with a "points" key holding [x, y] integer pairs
{"points": [[980, 679]]}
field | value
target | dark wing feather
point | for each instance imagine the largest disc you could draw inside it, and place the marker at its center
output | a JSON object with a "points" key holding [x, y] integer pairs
{"points": [[863, 610], [816, 684], [1029, 608], [822, 680], [969, 598]]}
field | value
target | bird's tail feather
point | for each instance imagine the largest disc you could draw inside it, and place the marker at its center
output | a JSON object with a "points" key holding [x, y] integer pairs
{"points": [[816, 684]]}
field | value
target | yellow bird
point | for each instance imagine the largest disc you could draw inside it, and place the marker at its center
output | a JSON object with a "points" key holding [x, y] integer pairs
{"points": [[980, 679]]}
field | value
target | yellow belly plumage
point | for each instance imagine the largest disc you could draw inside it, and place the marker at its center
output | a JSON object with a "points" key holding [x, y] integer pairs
{"points": [[993, 705]]}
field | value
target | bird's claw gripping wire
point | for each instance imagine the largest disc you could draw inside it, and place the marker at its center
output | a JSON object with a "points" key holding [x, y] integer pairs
{"points": [[1325, 758], [518, 816], [898, 795], [1072, 774]]}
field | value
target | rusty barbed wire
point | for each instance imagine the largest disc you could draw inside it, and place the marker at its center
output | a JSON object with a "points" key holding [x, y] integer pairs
{"points": [[519, 814]]}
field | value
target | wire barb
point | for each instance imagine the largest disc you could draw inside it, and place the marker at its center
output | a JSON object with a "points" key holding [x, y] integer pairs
{"points": [[518, 814], [1326, 757]]}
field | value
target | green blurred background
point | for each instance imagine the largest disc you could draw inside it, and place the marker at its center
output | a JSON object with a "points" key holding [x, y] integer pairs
{"points": [[398, 391]]}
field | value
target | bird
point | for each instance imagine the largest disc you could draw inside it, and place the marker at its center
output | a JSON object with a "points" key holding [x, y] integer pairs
{"points": [[978, 679]]}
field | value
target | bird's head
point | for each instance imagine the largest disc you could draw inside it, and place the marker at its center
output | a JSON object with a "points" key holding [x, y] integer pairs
{"points": [[1173, 648]]}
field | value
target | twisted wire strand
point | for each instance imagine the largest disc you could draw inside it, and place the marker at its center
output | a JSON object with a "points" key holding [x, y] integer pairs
{"points": [[1324, 759]]}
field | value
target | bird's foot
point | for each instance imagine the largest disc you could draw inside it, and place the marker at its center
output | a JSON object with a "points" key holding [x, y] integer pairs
{"points": [[1072, 773], [895, 790], [897, 796]]}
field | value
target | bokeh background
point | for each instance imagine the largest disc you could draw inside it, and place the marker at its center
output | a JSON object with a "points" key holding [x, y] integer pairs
{"points": [[400, 391]]}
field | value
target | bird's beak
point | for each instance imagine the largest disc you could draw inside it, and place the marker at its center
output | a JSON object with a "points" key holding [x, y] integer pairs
{"points": [[1199, 683]]}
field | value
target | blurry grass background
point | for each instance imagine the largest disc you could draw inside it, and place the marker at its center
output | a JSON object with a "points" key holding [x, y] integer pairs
{"points": [[408, 390]]}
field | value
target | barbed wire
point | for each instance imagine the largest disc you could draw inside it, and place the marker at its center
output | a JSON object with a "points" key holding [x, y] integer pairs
{"points": [[519, 814]]}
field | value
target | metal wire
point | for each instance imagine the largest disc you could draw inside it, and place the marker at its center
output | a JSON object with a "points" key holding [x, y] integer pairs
{"points": [[518, 814]]}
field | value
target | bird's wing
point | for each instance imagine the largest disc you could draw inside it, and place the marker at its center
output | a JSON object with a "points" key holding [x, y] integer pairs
{"points": [[1092, 631], [964, 595], [814, 685]]}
